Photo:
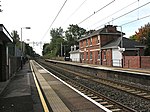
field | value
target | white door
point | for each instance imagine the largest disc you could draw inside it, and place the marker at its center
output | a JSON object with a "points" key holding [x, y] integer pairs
{"points": [[116, 58]]}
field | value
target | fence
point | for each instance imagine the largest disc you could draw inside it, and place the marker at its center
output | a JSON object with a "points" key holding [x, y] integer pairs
{"points": [[14, 64], [126, 62], [136, 62], [145, 61]]}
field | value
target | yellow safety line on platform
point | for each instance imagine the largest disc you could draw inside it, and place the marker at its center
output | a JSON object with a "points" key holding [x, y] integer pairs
{"points": [[39, 91]]}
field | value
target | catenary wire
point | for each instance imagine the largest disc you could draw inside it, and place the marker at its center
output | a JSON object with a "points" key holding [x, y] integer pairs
{"points": [[75, 11], [124, 14], [114, 13], [54, 19], [135, 20], [96, 12]]}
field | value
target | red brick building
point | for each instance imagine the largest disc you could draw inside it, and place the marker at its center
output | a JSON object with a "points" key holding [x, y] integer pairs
{"points": [[91, 44], [115, 51], [107, 46]]}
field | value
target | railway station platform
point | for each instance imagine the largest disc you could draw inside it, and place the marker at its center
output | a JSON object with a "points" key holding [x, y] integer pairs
{"points": [[19, 93], [117, 69], [32, 89], [62, 97]]}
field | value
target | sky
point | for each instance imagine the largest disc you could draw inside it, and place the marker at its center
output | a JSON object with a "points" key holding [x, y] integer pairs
{"points": [[39, 15]]}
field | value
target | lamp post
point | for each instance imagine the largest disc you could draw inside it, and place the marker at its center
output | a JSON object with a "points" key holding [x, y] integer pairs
{"points": [[22, 45], [121, 49], [121, 36]]}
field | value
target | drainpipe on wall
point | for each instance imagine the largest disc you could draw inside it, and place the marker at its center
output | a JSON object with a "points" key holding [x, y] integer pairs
{"points": [[100, 50]]}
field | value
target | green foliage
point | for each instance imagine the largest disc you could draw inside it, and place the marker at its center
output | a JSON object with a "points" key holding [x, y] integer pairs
{"points": [[57, 39], [53, 49], [133, 37], [143, 36], [147, 50], [72, 34], [16, 38], [29, 50], [45, 49]]}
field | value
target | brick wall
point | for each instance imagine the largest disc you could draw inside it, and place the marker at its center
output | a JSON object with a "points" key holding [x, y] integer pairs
{"points": [[136, 62], [145, 61], [88, 49], [107, 61], [131, 62]]}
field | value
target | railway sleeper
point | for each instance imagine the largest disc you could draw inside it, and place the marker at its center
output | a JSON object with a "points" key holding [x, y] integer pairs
{"points": [[103, 103], [147, 96], [141, 94], [126, 89], [90, 95], [131, 90], [135, 92], [98, 100], [108, 106], [122, 87], [94, 97], [115, 110]]}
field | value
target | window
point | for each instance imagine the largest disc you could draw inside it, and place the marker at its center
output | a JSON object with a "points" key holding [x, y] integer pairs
{"points": [[86, 42], [81, 56], [98, 54], [90, 41], [104, 55], [98, 39], [87, 55], [90, 55], [82, 43]]}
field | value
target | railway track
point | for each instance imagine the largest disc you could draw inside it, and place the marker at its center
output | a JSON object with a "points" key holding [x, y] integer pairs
{"points": [[99, 98], [139, 92], [131, 96]]}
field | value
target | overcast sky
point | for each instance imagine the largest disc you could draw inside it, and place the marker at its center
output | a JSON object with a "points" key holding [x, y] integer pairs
{"points": [[39, 14]]}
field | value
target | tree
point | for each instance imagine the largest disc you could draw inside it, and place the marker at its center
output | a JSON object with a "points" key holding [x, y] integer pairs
{"points": [[133, 37], [16, 38], [46, 49], [72, 35], [29, 50], [57, 39], [143, 36], [147, 50]]}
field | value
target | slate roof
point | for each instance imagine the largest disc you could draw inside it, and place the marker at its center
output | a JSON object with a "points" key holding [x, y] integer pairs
{"points": [[98, 32], [127, 43], [91, 34]]}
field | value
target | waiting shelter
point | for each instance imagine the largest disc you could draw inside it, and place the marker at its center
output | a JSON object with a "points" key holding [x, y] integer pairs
{"points": [[5, 40]]}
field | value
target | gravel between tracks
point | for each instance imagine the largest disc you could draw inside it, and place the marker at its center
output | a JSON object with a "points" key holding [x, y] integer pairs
{"points": [[134, 102], [129, 100]]}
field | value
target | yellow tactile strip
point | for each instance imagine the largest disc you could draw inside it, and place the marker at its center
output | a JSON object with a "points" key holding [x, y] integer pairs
{"points": [[55, 102], [45, 107]]}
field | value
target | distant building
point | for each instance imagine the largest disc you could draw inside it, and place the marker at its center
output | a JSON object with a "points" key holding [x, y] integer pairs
{"points": [[75, 53]]}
